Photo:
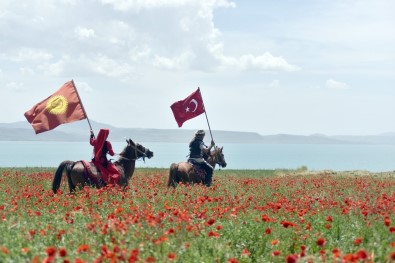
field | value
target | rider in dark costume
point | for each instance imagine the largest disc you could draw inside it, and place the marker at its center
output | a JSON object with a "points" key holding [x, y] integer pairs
{"points": [[197, 151]]}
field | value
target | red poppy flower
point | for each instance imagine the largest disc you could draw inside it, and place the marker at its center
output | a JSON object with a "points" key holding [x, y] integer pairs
{"points": [[213, 234], [358, 241], [362, 254], [171, 256], [51, 251], [170, 231], [83, 248], [233, 260], [245, 252], [62, 252], [291, 258], [150, 260], [210, 222], [321, 241], [5, 250], [387, 221], [287, 224], [336, 252]]}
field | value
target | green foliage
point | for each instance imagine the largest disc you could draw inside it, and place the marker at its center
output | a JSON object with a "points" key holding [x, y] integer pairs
{"points": [[246, 216]]}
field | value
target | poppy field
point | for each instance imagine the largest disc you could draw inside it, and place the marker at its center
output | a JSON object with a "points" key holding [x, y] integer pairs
{"points": [[246, 216]]}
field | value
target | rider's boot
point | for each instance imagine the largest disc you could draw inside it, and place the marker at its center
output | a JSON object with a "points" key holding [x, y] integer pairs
{"points": [[208, 179]]}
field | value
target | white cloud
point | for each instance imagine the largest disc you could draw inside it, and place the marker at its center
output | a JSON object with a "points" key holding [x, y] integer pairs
{"points": [[15, 86], [265, 62], [139, 53], [168, 35], [177, 62], [27, 71], [185, 38], [83, 86], [137, 5], [334, 84], [274, 84], [55, 69], [106, 66], [84, 33], [26, 54]]}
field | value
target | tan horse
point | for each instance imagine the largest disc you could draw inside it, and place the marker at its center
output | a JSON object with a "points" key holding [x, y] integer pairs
{"points": [[83, 173], [185, 173]]}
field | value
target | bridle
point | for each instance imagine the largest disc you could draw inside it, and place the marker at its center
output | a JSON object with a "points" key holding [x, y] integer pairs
{"points": [[214, 157], [136, 151]]}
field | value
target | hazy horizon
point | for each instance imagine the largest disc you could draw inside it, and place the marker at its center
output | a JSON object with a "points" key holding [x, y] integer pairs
{"points": [[98, 125]]}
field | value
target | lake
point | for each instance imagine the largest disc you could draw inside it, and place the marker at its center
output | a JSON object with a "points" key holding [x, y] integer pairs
{"points": [[375, 158]]}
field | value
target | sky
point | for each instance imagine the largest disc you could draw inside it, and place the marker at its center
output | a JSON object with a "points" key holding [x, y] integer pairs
{"points": [[271, 67]]}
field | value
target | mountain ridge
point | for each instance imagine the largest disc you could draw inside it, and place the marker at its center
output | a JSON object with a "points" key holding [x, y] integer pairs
{"points": [[79, 131]]}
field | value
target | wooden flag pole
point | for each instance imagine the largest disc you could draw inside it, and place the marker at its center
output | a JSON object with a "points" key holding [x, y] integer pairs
{"points": [[82, 105], [205, 113]]}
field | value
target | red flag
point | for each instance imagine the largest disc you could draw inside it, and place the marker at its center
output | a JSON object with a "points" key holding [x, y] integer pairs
{"points": [[61, 107], [188, 108]]}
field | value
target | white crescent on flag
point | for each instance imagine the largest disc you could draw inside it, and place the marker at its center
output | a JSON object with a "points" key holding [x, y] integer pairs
{"points": [[194, 102]]}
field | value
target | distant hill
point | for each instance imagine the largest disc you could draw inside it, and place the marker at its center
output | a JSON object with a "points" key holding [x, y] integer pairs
{"points": [[79, 131]]}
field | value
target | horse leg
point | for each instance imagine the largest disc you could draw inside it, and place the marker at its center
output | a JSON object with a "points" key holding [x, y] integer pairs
{"points": [[209, 174], [77, 176], [172, 181], [59, 173], [69, 180]]}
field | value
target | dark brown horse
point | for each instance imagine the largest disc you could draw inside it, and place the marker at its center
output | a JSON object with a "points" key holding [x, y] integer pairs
{"points": [[83, 173], [185, 173]]}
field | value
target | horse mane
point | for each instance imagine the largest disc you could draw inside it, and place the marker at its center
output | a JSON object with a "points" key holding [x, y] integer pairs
{"points": [[124, 153]]}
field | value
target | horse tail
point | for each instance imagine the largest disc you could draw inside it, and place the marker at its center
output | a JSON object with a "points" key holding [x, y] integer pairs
{"points": [[173, 175], [58, 175]]}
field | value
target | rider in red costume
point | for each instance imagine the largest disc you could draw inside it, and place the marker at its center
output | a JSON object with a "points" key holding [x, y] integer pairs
{"points": [[102, 147]]}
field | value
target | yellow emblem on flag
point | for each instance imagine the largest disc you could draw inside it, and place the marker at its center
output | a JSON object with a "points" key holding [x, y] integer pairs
{"points": [[57, 105]]}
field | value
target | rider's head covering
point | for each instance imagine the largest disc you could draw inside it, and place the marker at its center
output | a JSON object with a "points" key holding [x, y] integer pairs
{"points": [[200, 134], [101, 138]]}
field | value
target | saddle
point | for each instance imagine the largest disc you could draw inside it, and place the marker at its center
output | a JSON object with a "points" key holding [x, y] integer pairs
{"points": [[100, 176], [198, 169]]}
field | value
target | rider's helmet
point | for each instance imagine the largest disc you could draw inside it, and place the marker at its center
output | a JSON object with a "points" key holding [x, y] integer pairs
{"points": [[200, 134]]}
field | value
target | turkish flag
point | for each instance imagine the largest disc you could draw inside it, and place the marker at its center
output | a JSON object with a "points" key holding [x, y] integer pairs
{"points": [[188, 108], [61, 107]]}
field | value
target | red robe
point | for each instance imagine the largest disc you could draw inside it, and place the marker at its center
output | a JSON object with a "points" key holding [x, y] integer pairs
{"points": [[109, 172]]}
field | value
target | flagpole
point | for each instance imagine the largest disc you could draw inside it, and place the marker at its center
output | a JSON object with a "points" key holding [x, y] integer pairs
{"points": [[82, 105], [205, 113]]}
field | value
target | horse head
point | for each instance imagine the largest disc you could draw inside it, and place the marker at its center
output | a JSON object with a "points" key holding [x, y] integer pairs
{"points": [[218, 156], [139, 150], [134, 151]]}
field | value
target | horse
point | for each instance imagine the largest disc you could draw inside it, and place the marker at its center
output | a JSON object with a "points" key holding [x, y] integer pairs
{"points": [[186, 173], [81, 173]]}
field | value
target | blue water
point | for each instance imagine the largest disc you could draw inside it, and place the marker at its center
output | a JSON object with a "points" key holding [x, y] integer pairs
{"points": [[376, 158]]}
